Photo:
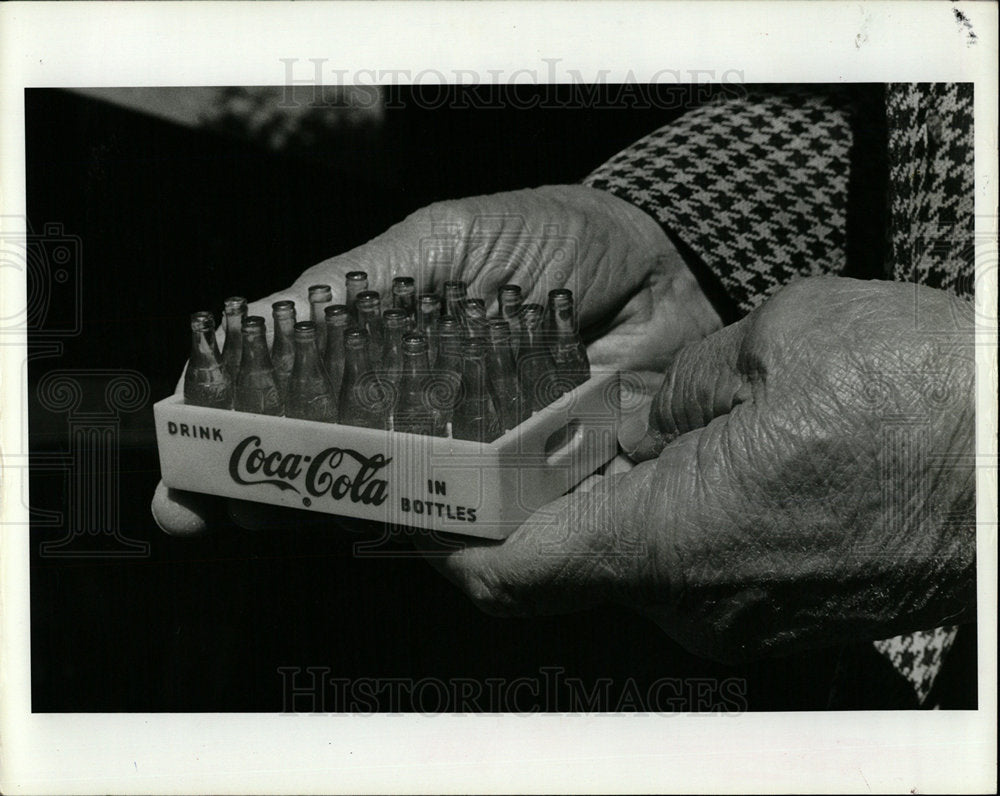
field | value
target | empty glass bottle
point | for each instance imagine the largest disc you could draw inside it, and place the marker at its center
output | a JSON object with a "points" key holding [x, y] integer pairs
{"points": [[364, 400], [566, 346], [232, 349], [369, 309], [283, 346], [338, 319], [416, 411], [206, 382], [404, 297], [255, 389], [309, 396], [536, 369], [354, 283], [509, 300], [319, 297], [394, 325], [475, 416], [511, 403], [454, 291]]}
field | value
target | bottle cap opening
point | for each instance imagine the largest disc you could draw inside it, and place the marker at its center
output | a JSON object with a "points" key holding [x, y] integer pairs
{"points": [[253, 322], [336, 311], [357, 276], [430, 298], [473, 346], [320, 293], [355, 338], [202, 320], [368, 297], [414, 342], [235, 304], [403, 281], [448, 323], [510, 292]]}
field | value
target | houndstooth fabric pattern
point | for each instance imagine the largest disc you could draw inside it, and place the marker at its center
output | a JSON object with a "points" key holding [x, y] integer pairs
{"points": [[756, 187], [931, 180], [918, 656]]}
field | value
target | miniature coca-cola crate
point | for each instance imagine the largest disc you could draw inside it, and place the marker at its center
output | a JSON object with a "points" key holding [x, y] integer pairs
{"points": [[458, 486]]}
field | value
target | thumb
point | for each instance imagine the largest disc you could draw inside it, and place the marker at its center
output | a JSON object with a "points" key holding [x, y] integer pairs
{"points": [[180, 513], [704, 380]]}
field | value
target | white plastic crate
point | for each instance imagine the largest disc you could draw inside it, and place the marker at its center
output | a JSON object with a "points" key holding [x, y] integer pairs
{"points": [[472, 488]]}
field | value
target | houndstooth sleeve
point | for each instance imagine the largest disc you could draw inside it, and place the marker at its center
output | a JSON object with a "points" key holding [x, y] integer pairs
{"points": [[755, 187]]}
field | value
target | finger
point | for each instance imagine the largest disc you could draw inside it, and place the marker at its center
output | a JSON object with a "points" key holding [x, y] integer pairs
{"points": [[180, 513], [703, 381]]}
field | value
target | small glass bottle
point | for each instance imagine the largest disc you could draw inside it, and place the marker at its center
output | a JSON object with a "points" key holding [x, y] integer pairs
{"points": [[206, 382], [369, 309], [415, 411], [475, 416], [319, 297], [454, 291], [394, 324], [509, 301], [536, 369], [404, 297], [563, 335], [283, 345], [511, 403], [364, 400], [235, 309], [338, 319], [255, 389], [309, 396]]}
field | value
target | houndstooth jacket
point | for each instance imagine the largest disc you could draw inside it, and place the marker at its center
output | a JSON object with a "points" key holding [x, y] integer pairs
{"points": [[760, 187]]}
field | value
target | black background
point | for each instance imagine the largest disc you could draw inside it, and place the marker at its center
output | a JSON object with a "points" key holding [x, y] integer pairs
{"points": [[173, 219]]}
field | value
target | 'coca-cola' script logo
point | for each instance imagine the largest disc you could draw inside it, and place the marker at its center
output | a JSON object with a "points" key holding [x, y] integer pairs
{"points": [[335, 472]]}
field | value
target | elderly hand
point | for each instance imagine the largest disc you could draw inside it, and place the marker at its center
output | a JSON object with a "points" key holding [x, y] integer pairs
{"points": [[806, 477], [636, 298]]}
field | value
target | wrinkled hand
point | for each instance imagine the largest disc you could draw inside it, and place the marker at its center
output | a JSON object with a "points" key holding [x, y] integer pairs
{"points": [[806, 478], [636, 299]]}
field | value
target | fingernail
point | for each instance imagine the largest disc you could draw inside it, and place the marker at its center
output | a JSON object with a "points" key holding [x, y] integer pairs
{"points": [[638, 440], [632, 430]]}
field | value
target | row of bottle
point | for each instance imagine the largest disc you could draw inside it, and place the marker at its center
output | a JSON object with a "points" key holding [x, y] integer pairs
{"points": [[423, 366]]}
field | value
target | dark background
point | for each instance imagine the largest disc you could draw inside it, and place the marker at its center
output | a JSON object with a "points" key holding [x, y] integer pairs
{"points": [[171, 219]]}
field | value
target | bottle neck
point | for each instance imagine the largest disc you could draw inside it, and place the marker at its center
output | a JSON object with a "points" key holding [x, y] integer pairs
{"points": [[283, 329], [415, 363], [234, 323], [306, 354], [355, 361], [204, 350], [474, 377], [335, 337], [254, 349]]}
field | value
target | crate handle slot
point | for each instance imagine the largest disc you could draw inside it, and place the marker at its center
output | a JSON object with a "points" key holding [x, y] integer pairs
{"points": [[563, 443]]}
